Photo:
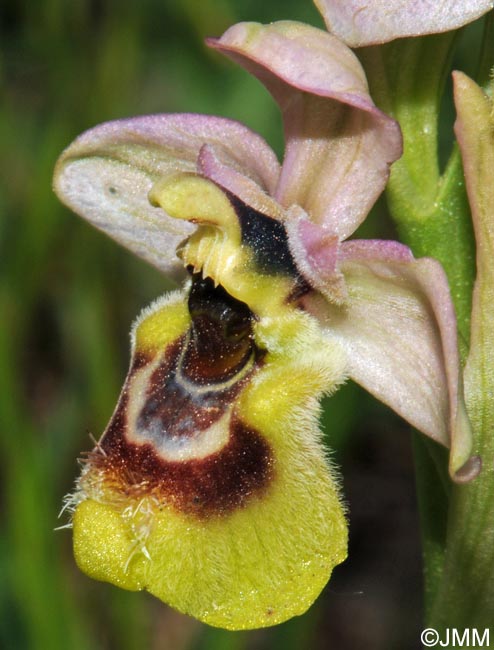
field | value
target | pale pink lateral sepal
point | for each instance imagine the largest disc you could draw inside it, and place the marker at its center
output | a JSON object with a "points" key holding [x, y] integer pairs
{"points": [[338, 144], [105, 175], [398, 327], [360, 22]]}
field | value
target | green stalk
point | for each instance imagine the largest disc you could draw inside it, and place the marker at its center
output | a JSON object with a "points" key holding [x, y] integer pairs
{"points": [[432, 214], [431, 211], [466, 594]]}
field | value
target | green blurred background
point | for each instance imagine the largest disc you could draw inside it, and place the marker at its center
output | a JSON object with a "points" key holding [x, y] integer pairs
{"points": [[67, 299]]}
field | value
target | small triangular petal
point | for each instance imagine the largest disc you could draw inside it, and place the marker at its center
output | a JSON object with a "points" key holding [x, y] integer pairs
{"points": [[316, 253], [399, 329], [338, 144], [359, 23], [107, 173]]}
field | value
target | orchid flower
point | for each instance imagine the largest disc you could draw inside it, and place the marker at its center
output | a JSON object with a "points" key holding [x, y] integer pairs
{"points": [[360, 22], [210, 487]]}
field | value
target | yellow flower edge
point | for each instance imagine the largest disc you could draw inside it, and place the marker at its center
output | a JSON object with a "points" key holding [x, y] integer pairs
{"points": [[255, 568]]}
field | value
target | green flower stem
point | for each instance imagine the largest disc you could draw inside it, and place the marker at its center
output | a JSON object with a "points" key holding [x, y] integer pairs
{"points": [[432, 214], [431, 210], [466, 594], [444, 232], [432, 503], [406, 79]]}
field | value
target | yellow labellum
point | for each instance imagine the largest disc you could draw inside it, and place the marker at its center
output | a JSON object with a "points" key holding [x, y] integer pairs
{"points": [[263, 562], [210, 488]]}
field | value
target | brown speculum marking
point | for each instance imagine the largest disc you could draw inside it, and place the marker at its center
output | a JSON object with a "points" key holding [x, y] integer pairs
{"points": [[193, 387], [220, 338]]}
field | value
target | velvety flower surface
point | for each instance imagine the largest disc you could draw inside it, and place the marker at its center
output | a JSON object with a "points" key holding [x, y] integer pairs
{"points": [[359, 23], [210, 486]]}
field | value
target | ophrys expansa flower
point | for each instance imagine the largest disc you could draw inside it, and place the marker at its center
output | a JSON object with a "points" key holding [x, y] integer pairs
{"points": [[210, 486]]}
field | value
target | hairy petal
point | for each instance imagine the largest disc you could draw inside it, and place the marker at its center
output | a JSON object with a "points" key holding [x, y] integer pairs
{"points": [[106, 174], [316, 253], [361, 23], [338, 144], [399, 329]]}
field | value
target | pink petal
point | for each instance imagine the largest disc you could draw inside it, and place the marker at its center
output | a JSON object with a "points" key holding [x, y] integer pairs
{"points": [[399, 329], [338, 144], [316, 252], [246, 189], [106, 174], [359, 22]]}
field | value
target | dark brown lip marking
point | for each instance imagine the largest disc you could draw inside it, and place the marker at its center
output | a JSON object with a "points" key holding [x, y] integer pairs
{"points": [[140, 360], [195, 382], [220, 341], [299, 290], [204, 368], [205, 488], [173, 411]]}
